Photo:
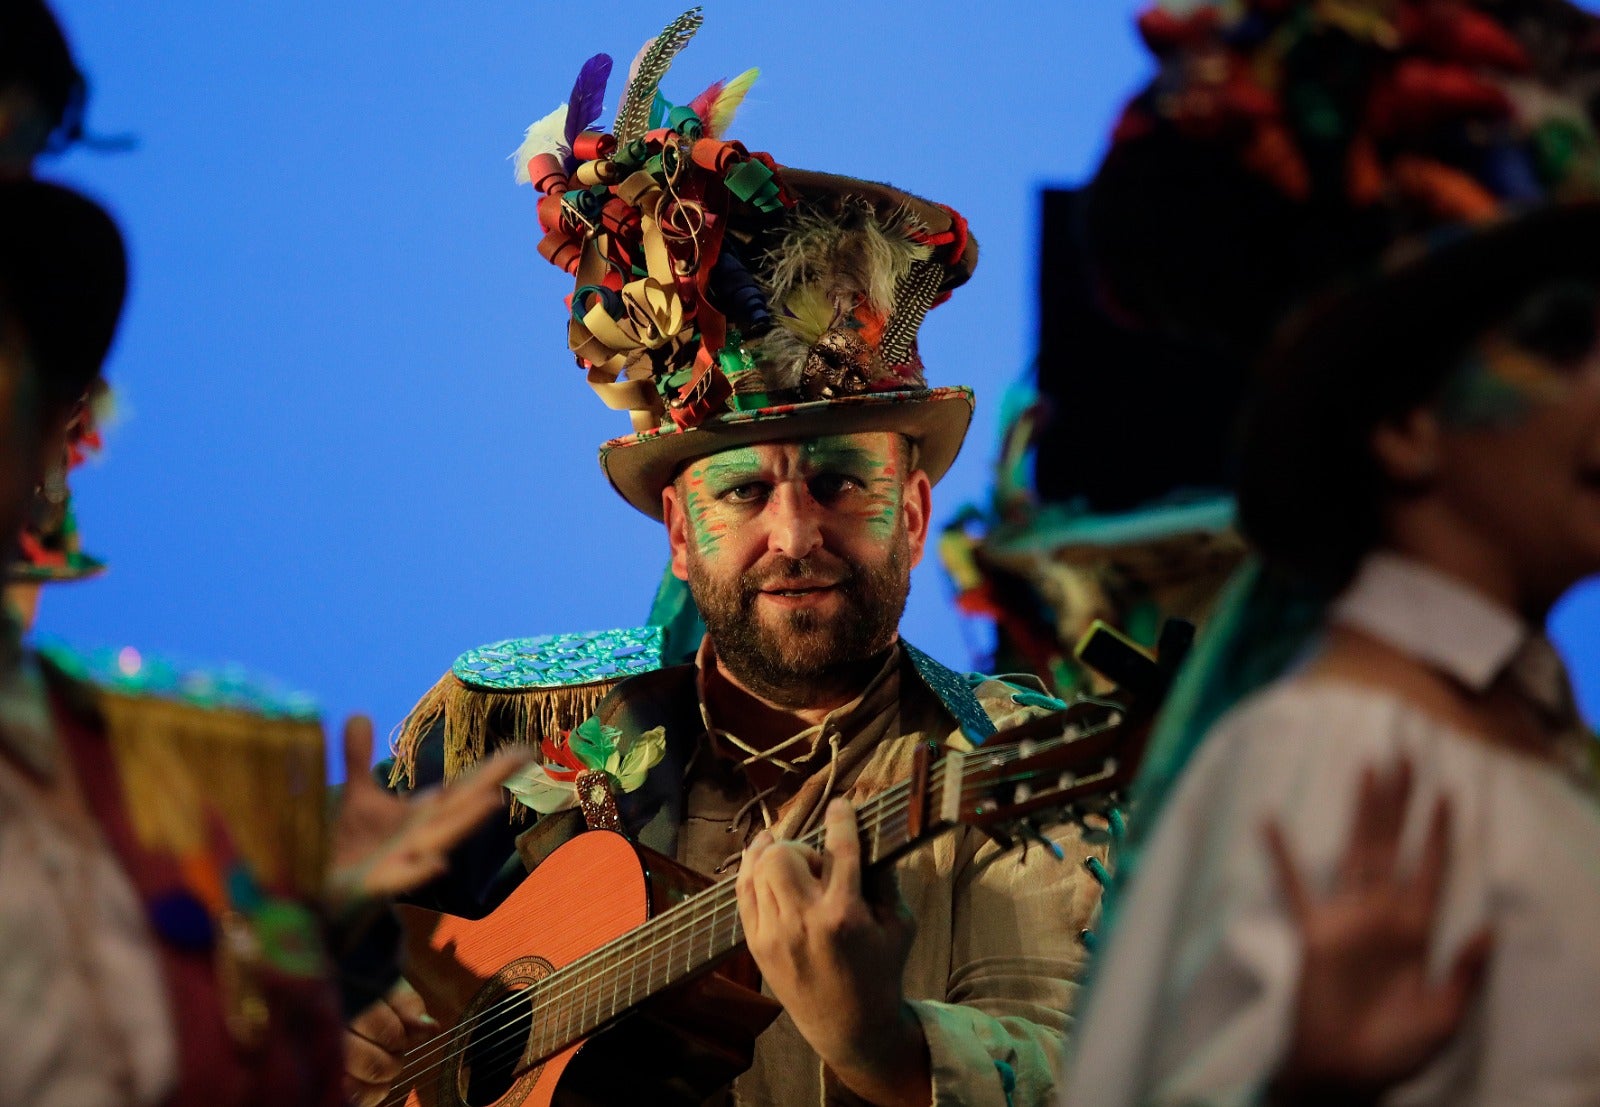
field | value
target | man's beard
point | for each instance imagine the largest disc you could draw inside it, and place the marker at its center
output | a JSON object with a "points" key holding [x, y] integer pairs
{"points": [[796, 657]]}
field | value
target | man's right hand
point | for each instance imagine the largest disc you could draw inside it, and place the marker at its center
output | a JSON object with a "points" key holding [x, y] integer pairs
{"points": [[377, 1040]]}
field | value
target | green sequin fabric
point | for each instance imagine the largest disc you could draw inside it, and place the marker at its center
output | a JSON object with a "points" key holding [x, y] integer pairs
{"points": [[561, 660], [128, 672]]}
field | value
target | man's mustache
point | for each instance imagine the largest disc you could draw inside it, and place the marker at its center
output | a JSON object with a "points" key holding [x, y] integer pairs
{"points": [[830, 571]]}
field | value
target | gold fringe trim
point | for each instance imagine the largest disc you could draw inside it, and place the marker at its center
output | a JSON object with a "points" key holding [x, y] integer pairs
{"points": [[265, 778], [478, 721]]}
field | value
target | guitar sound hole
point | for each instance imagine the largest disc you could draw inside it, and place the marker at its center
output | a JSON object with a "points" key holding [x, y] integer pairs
{"points": [[490, 1066]]}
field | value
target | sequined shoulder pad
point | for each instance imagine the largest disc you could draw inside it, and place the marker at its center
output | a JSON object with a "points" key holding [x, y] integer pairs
{"points": [[560, 660]]}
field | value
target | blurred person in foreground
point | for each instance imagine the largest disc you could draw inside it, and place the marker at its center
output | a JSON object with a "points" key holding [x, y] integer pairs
{"points": [[1389, 209]]}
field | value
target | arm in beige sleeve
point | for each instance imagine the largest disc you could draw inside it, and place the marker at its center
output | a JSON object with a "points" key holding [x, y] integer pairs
{"points": [[1015, 962]]}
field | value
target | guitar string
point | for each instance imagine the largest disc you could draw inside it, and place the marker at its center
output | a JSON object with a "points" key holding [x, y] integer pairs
{"points": [[552, 1037], [875, 808], [881, 817], [645, 943], [714, 898]]}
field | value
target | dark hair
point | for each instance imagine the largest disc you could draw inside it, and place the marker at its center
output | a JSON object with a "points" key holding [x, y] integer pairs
{"points": [[34, 53], [63, 276]]}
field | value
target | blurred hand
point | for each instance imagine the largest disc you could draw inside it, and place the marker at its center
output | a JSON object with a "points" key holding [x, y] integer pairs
{"points": [[384, 844], [376, 1041], [1368, 1016]]}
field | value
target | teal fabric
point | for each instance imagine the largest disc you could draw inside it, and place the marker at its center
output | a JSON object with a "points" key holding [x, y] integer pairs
{"points": [[1263, 623], [673, 610]]}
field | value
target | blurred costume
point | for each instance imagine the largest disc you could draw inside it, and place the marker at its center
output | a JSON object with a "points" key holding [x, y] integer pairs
{"points": [[1368, 188], [162, 827], [724, 300], [1112, 496]]}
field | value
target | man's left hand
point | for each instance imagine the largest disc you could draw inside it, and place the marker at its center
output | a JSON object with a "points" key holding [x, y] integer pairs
{"points": [[835, 959]]}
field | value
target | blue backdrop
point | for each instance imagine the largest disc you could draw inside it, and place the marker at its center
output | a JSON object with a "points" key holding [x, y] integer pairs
{"points": [[352, 443]]}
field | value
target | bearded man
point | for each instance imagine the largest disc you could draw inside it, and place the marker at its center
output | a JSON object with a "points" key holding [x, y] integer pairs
{"points": [[786, 437]]}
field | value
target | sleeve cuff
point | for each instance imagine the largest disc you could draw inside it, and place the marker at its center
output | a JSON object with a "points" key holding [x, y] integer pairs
{"points": [[964, 1070]]}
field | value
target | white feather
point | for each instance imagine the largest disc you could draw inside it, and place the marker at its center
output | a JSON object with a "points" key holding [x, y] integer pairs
{"points": [[548, 136]]}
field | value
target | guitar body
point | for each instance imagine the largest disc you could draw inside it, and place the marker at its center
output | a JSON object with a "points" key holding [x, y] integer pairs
{"points": [[680, 1047]]}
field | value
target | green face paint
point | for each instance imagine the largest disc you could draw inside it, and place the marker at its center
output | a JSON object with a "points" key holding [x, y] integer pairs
{"points": [[850, 478], [876, 470], [1498, 385], [702, 484]]}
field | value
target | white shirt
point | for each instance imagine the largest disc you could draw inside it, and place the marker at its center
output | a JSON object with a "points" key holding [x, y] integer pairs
{"points": [[1193, 996], [84, 1020]]}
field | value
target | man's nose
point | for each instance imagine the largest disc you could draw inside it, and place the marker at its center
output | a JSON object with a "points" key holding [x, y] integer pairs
{"points": [[794, 521]]}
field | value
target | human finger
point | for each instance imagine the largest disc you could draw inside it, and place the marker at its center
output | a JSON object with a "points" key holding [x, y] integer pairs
{"points": [[841, 845], [449, 814], [358, 1093], [356, 738], [1290, 882], [744, 891], [370, 1064], [1390, 820], [1435, 860], [1358, 865], [412, 1011], [1445, 1005]]}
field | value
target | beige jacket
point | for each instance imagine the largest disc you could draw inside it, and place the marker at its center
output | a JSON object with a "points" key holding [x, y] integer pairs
{"points": [[994, 968]]}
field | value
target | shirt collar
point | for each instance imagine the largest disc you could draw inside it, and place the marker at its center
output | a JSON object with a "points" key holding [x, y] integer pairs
{"points": [[881, 692], [1431, 617]]}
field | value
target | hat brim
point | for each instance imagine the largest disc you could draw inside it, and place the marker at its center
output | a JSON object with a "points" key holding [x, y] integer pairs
{"points": [[640, 466]]}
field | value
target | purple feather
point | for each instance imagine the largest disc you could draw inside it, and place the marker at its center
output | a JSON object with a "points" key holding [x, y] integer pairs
{"points": [[588, 97]]}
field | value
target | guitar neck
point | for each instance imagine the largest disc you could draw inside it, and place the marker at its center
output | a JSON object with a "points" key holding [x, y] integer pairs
{"points": [[590, 993]]}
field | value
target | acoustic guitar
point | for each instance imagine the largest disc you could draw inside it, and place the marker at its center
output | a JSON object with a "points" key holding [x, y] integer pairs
{"points": [[614, 975]]}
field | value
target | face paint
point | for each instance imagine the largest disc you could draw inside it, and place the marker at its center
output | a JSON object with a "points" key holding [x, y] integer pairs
{"points": [[702, 484], [1498, 385], [878, 504]]}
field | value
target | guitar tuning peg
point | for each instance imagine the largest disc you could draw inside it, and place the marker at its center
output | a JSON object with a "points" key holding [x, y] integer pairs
{"points": [[1031, 833]]}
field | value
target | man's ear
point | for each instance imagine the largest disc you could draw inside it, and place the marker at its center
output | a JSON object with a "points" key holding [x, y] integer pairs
{"points": [[1409, 450], [677, 520], [916, 501]]}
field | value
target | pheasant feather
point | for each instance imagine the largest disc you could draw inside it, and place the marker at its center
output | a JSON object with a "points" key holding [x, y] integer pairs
{"points": [[716, 105], [547, 136], [649, 67], [585, 104]]}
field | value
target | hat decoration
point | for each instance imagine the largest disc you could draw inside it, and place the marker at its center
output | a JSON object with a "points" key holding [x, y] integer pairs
{"points": [[712, 282], [1374, 131]]}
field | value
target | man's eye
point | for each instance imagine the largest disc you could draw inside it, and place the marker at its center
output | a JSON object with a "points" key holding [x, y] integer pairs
{"points": [[828, 486], [746, 493]]}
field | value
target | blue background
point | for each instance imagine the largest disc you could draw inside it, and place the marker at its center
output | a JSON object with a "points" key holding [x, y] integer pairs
{"points": [[352, 442]]}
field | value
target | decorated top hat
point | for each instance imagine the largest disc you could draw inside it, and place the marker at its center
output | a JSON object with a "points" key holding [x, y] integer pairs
{"points": [[1339, 198], [722, 299]]}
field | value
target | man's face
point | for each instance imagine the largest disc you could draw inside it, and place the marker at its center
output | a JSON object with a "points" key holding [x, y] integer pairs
{"points": [[799, 555]]}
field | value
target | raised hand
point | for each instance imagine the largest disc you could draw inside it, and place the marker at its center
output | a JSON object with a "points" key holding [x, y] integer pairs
{"points": [[835, 959], [1368, 1015], [384, 844]]}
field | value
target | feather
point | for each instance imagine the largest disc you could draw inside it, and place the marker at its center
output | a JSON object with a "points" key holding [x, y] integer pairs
{"points": [[588, 97], [543, 137], [649, 67], [729, 96], [659, 109], [701, 105]]}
